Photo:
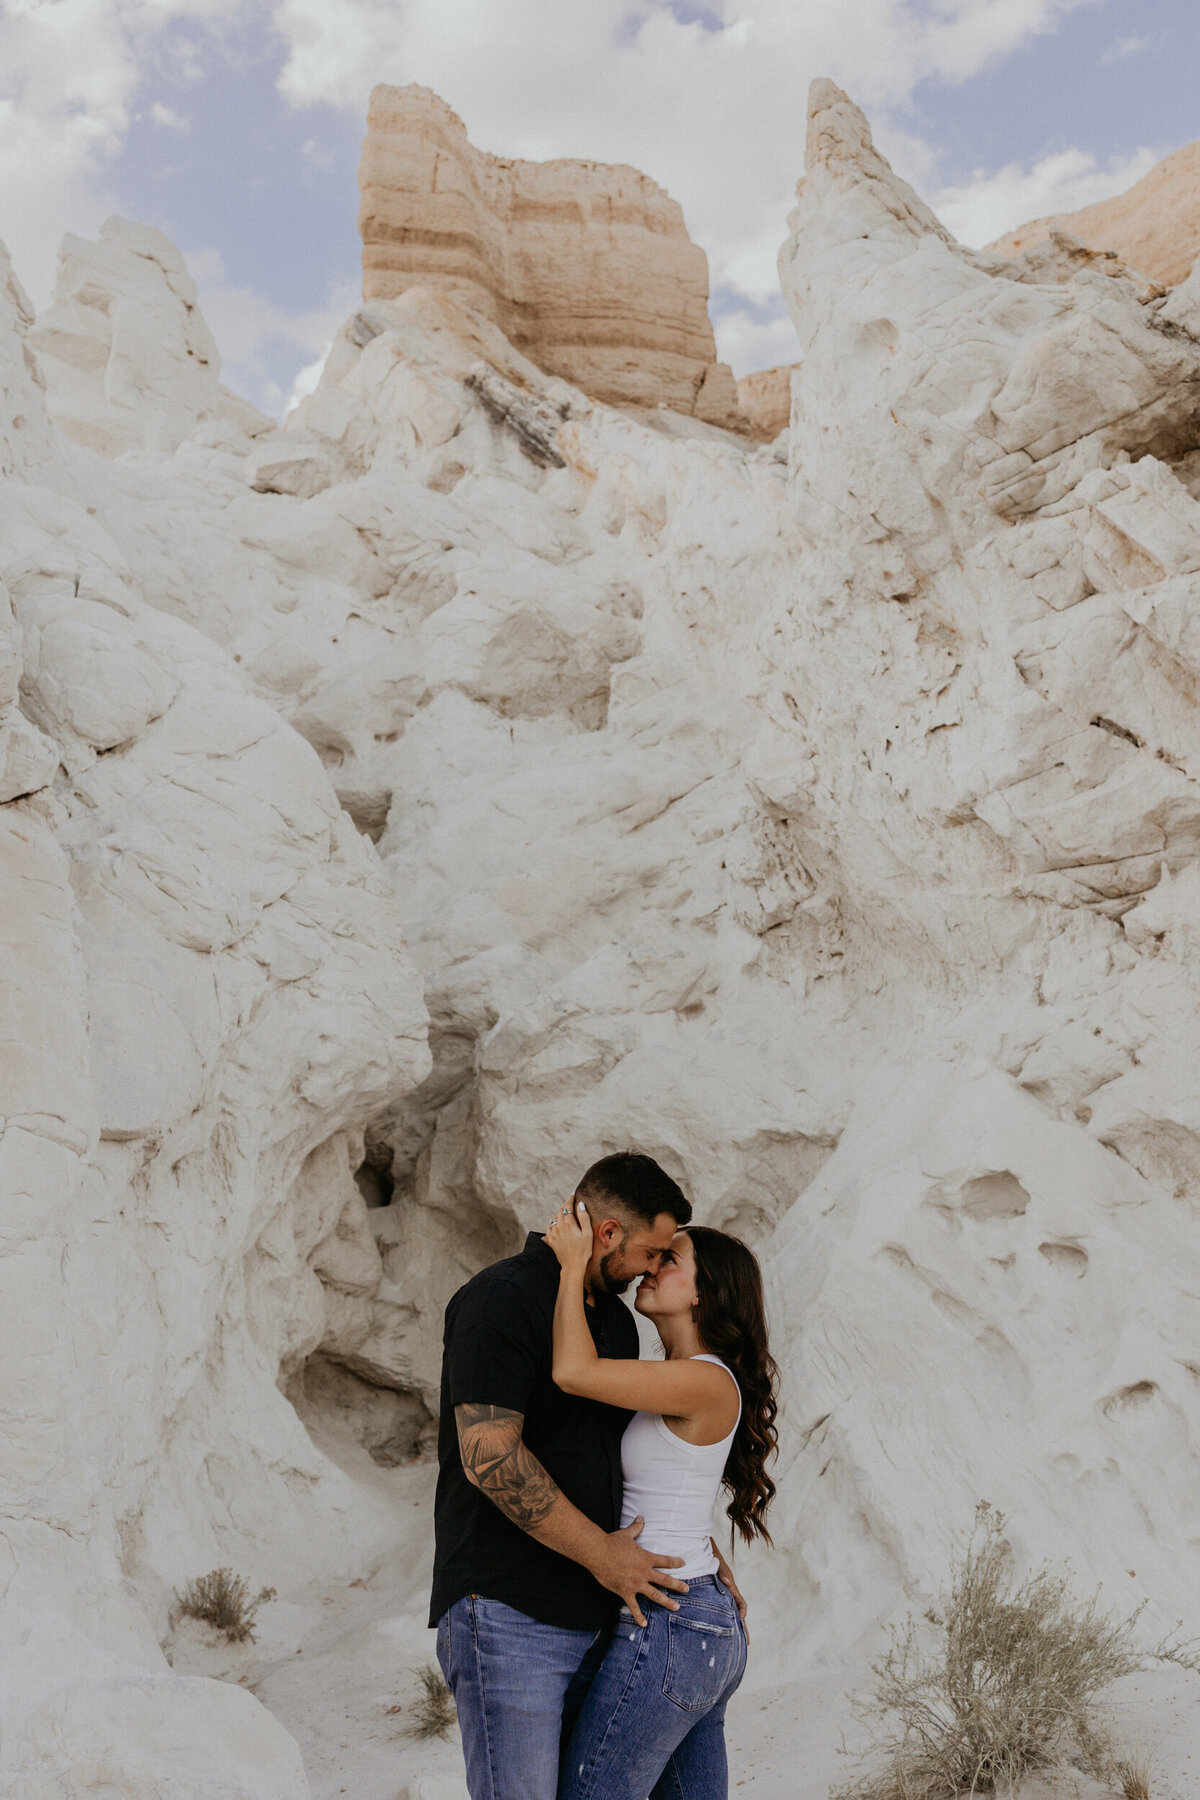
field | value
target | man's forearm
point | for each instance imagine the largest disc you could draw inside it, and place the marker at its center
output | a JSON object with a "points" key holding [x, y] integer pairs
{"points": [[504, 1469], [496, 1460]]}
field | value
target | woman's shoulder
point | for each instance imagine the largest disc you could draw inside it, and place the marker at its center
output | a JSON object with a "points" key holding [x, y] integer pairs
{"points": [[717, 1383], [715, 1362]]}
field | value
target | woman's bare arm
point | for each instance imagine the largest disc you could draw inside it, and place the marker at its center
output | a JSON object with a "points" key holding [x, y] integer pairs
{"points": [[574, 1350], [679, 1390]]}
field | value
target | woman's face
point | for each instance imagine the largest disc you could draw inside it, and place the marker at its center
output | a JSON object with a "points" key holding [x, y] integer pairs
{"points": [[673, 1290]]}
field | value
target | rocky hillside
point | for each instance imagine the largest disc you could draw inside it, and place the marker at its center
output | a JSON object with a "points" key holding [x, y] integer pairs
{"points": [[403, 807]]}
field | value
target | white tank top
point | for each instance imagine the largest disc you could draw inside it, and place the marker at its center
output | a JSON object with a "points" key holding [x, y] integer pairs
{"points": [[674, 1486]]}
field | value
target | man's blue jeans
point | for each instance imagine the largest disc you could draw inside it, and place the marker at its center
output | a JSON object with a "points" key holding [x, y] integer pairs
{"points": [[518, 1686], [653, 1720]]}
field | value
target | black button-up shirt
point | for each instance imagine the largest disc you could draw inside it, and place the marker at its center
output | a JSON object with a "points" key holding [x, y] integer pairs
{"points": [[497, 1351]]}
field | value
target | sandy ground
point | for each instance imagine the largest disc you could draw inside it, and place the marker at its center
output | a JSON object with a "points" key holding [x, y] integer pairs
{"points": [[337, 1664]]}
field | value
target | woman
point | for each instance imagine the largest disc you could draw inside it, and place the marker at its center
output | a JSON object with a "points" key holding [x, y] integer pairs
{"points": [[654, 1718]]}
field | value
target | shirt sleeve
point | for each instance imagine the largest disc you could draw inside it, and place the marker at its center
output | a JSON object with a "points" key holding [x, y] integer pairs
{"points": [[494, 1348]]}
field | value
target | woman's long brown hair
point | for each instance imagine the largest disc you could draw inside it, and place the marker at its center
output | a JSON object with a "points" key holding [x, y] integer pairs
{"points": [[732, 1322]]}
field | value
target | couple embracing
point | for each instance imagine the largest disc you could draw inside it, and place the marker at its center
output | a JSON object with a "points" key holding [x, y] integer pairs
{"points": [[576, 1480]]}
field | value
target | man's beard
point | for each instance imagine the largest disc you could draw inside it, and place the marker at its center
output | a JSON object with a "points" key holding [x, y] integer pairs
{"points": [[610, 1281]]}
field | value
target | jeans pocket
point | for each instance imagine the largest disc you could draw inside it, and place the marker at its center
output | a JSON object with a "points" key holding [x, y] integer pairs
{"points": [[701, 1659]]}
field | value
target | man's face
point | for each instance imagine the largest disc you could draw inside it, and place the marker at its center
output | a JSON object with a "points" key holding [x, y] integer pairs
{"points": [[627, 1249]]}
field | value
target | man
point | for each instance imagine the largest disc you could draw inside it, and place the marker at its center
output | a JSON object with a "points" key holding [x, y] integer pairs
{"points": [[529, 1565]]}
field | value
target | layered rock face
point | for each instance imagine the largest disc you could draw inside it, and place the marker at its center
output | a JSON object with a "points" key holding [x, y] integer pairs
{"points": [[822, 818], [586, 267], [766, 399], [1153, 228]]}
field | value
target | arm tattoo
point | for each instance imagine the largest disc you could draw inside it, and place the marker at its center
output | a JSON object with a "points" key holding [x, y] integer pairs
{"points": [[496, 1460]]}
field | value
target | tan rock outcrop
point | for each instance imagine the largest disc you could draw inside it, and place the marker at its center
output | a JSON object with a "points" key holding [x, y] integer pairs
{"points": [[766, 399], [586, 267], [1154, 227]]}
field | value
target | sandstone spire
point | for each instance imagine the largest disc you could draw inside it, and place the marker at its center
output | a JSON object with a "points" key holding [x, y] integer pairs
{"points": [[587, 267]]}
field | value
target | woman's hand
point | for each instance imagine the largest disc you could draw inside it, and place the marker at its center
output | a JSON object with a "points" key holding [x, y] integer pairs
{"points": [[570, 1236], [725, 1577]]}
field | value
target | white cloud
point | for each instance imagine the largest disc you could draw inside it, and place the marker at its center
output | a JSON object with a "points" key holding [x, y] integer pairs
{"points": [[260, 342], [68, 74], [1126, 47], [307, 379], [319, 155], [167, 117], [991, 204], [752, 334], [747, 342], [716, 116], [63, 98]]}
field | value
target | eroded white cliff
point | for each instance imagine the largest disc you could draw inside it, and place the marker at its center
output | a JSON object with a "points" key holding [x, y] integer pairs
{"points": [[825, 826], [206, 996]]}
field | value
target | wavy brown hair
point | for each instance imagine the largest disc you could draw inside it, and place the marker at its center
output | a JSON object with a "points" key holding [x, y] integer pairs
{"points": [[732, 1322]]}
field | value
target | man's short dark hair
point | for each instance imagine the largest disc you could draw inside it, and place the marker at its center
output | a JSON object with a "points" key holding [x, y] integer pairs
{"points": [[637, 1185]]}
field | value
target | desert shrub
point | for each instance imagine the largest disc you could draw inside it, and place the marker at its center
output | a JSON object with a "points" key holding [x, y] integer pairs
{"points": [[222, 1599], [1131, 1777], [433, 1713], [1009, 1687]]}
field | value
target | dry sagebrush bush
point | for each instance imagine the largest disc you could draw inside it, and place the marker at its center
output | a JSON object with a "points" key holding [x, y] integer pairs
{"points": [[1131, 1777], [222, 1599], [434, 1713], [1009, 1688]]}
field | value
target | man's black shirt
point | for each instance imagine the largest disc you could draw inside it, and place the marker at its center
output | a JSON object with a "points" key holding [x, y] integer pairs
{"points": [[497, 1351]]}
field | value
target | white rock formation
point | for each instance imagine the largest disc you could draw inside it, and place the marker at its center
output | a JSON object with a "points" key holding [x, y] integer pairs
{"points": [[827, 828], [994, 1259], [129, 362], [206, 997]]}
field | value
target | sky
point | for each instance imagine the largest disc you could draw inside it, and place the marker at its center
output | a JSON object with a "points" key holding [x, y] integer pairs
{"points": [[235, 127]]}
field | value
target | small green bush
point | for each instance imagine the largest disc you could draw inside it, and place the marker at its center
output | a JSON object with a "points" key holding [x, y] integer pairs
{"points": [[1009, 1688], [222, 1599]]}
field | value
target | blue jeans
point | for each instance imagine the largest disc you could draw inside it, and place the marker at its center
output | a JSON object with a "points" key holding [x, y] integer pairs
{"points": [[653, 1722], [518, 1686]]}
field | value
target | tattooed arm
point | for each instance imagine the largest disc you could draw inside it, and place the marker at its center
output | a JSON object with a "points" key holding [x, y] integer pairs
{"points": [[496, 1460]]}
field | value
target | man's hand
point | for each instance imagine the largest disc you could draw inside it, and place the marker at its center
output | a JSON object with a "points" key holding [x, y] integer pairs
{"points": [[626, 1569], [725, 1577]]}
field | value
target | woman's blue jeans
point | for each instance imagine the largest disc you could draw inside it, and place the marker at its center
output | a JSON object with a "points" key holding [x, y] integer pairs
{"points": [[653, 1722]]}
